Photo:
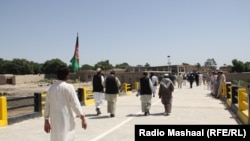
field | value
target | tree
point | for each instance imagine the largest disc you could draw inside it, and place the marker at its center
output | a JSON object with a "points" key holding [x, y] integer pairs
{"points": [[2, 66], [185, 64], [247, 67], [122, 66], [104, 65], [147, 65], [87, 67], [51, 66], [238, 66], [198, 65], [36, 67], [211, 63], [18, 66]]}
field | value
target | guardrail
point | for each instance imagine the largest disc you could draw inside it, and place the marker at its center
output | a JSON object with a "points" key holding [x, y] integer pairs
{"points": [[136, 86], [228, 93], [243, 105], [234, 98], [6, 106], [85, 96], [127, 88], [237, 99]]}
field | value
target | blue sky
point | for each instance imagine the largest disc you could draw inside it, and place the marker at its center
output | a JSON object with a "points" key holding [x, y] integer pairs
{"points": [[132, 31]]}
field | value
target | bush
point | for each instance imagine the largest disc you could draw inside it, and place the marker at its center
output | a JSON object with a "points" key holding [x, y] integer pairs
{"points": [[242, 83]]}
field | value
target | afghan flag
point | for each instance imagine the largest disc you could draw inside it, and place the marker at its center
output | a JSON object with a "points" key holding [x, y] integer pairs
{"points": [[75, 59]]}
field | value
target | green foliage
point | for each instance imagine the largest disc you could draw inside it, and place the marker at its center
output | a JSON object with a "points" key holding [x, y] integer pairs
{"points": [[198, 65], [122, 66], [18, 66], [238, 66], [2, 65], [51, 66], [87, 67], [247, 67], [139, 66], [147, 65], [23, 66], [185, 64], [242, 83], [104, 65]]}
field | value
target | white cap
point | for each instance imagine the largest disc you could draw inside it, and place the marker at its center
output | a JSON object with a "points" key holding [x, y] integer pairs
{"points": [[166, 75], [98, 69]]}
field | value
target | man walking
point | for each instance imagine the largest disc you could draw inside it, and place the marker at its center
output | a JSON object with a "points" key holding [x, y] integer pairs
{"points": [[62, 104], [112, 85], [98, 90], [165, 94], [155, 82], [146, 92]]}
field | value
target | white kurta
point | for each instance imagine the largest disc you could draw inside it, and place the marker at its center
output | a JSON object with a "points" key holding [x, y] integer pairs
{"points": [[61, 107]]}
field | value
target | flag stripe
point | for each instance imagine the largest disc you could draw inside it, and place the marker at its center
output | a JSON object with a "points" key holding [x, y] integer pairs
{"points": [[75, 59]]}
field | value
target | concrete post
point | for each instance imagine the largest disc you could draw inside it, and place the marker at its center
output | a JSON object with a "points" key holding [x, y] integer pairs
{"points": [[3, 111]]}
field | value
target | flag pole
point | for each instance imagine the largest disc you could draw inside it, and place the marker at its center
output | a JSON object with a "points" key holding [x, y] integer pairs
{"points": [[75, 60], [79, 80]]}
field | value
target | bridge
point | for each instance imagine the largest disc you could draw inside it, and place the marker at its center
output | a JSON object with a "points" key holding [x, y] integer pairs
{"points": [[190, 107]]}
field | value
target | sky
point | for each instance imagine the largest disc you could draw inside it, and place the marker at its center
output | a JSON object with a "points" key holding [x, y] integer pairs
{"points": [[126, 31]]}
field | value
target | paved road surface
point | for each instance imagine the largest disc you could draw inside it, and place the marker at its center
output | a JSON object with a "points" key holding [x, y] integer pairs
{"points": [[190, 106]]}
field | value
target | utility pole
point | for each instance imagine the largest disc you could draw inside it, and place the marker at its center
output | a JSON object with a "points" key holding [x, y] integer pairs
{"points": [[169, 63]]}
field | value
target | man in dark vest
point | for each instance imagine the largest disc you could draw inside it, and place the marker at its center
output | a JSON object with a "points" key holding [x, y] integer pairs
{"points": [[146, 93], [112, 85], [98, 90]]}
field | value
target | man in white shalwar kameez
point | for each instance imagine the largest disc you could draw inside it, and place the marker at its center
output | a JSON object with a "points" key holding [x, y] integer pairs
{"points": [[61, 108]]}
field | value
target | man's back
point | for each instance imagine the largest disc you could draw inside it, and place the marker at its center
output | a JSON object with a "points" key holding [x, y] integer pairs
{"points": [[111, 86], [145, 86], [155, 80], [97, 83]]}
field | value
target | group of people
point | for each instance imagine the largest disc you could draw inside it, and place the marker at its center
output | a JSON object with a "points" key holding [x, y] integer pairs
{"points": [[194, 77], [218, 79], [148, 90], [105, 88], [62, 104], [213, 81], [108, 88]]}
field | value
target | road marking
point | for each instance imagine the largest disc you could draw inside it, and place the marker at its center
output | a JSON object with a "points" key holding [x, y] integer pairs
{"points": [[117, 126]]}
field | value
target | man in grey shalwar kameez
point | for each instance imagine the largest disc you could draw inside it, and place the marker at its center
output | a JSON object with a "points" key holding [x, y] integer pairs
{"points": [[165, 93]]}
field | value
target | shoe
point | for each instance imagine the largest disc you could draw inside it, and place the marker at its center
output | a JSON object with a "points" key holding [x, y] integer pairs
{"points": [[98, 111], [146, 113], [166, 114], [112, 115]]}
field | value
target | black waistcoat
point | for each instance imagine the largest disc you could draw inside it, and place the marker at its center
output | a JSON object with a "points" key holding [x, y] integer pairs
{"points": [[97, 83], [144, 86], [111, 85]]}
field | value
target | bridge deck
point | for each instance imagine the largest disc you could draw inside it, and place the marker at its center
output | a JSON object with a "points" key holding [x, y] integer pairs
{"points": [[190, 106]]}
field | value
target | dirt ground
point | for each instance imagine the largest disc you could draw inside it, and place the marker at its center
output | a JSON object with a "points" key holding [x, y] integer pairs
{"points": [[23, 90], [28, 89]]}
